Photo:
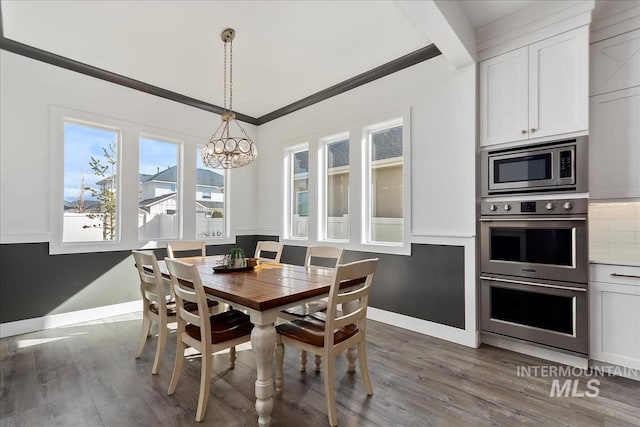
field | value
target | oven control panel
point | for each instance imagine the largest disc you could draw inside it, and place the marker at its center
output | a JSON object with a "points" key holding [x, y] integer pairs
{"points": [[535, 207]]}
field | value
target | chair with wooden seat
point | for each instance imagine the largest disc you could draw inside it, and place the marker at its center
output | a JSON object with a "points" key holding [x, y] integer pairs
{"points": [[336, 334], [270, 247], [326, 257], [207, 334], [173, 248], [156, 304]]}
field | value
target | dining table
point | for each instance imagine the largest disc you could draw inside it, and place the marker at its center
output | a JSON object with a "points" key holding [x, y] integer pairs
{"points": [[263, 291]]}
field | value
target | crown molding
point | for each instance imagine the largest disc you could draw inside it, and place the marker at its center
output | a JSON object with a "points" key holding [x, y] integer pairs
{"points": [[391, 67]]}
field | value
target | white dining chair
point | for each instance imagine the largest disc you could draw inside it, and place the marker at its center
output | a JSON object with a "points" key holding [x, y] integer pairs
{"points": [[271, 247], [337, 333], [327, 257], [173, 248], [207, 334]]}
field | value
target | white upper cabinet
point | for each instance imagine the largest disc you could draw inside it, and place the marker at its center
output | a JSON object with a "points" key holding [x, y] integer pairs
{"points": [[504, 88], [537, 91], [615, 63], [614, 145]]}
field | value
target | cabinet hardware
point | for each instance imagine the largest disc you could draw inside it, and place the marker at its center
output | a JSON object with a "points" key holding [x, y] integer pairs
{"points": [[633, 276], [533, 130], [523, 131]]}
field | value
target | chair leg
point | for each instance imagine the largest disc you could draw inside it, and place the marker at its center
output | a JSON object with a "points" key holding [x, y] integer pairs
{"points": [[232, 357], [330, 390], [303, 360], [364, 368], [146, 327], [177, 366], [162, 342], [317, 361], [279, 367], [205, 382]]}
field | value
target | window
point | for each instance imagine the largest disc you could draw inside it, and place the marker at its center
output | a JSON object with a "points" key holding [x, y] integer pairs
{"points": [[210, 201], [336, 185], [384, 166], [90, 183], [158, 196], [299, 191]]}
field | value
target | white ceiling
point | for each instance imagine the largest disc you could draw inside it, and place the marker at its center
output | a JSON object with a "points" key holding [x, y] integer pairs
{"points": [[283, 50]]}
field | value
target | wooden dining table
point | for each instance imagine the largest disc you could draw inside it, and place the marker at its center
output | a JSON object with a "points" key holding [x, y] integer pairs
{"points": [[263, 291]]}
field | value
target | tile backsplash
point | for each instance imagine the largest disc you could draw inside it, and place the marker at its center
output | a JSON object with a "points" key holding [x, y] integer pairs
{"points": [[614, 232]]}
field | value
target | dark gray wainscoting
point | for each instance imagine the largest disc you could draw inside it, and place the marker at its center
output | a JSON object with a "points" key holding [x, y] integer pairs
{"points": [[428, 285], [34, 284]]}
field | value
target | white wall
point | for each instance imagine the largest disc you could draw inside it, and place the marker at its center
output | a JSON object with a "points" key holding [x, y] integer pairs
{"points": [[442, 102], [30, 88]]}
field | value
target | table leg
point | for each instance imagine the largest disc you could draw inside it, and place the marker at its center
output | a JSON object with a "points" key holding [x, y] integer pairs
{"points": [[263, 341], [350, 307]]}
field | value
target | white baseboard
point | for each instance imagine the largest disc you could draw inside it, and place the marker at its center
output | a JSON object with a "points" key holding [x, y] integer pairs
{"points": [[535, 351], [19, 327], [449, 333]]}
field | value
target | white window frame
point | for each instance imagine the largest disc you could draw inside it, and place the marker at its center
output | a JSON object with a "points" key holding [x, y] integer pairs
{"points": [[289, 193], [127, 175], [323, 185], [178, 185], [227, 238], [367, 196], [357, 179]]}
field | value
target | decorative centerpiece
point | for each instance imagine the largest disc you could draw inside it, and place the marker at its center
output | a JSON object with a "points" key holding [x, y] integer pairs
{"points": [[236, 258]]}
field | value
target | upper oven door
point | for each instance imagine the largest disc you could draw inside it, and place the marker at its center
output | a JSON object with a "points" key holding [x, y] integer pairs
{"points": [[540, 248]]}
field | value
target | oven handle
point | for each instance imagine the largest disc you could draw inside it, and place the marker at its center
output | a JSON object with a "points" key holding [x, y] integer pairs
{"points": [[522, 282], [533, 219]]}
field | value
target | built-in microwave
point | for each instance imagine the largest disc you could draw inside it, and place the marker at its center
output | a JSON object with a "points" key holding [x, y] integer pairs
{"points": [[556, 166]]}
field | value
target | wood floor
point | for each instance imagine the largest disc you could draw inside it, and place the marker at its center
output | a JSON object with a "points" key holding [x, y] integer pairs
{"points": [[85, 375]]}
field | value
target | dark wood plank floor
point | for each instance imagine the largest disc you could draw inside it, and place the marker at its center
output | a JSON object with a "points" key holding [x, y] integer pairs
{"points": [[85, 375]]}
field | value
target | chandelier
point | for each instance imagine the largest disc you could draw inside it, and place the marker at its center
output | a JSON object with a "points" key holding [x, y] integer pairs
{"points": [[224, 150]]}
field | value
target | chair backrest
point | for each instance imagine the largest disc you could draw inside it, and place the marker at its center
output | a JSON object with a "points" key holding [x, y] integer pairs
{"points": [[151, 283], [185, 245], [179, 270], [360, 275], [269, 246], [320, 253]]}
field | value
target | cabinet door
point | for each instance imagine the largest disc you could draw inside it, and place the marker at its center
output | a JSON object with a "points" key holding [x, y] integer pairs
{"points": [[559, 84], [503, 98], [615, 322], [614, 145], [615, 63]]}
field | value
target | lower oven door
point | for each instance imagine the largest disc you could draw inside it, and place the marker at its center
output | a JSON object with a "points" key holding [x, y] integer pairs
{"points": [[551, 314]]}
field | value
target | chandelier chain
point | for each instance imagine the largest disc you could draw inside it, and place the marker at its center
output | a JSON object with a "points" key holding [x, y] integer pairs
{"points": [[225, 77], [230, 75]]}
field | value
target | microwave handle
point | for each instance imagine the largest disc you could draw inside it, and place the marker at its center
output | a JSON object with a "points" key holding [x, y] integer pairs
{"points": [[532, 219]]}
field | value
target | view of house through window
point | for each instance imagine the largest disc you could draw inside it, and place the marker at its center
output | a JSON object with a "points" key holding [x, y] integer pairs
{"points": [[300, 194], [337, 189], [90, 184], [210, 189], [158, 191], [385, 222]]}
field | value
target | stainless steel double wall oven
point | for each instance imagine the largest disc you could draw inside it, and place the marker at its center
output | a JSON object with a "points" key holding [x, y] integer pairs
{"points": [[534, 262]]}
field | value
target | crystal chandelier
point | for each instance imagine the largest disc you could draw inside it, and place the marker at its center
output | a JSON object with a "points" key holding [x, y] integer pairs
{"points": [[224, 150]]}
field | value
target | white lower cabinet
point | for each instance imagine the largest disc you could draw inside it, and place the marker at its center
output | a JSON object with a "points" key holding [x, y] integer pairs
{"points": [[614, 308]]}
